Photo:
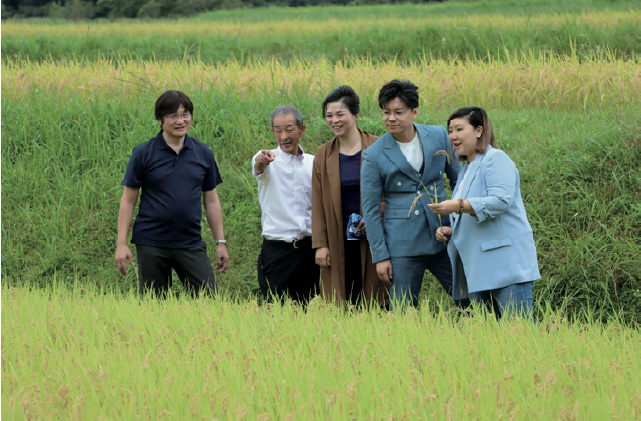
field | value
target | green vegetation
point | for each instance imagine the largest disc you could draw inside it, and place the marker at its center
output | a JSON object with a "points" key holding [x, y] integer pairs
{"points": [[570, 125], [568, 119], [80, 354], [561, 83], [452, 30]]}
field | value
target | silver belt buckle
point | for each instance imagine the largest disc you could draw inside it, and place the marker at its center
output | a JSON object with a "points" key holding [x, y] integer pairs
{"points": [[294, 244]]}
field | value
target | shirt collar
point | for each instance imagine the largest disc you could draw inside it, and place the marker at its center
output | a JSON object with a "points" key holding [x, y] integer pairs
{"points": [[289, 157], [162, 144]]}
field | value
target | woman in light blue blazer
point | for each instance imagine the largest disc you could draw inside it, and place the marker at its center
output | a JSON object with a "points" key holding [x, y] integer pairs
{"points": [[491, 243]]}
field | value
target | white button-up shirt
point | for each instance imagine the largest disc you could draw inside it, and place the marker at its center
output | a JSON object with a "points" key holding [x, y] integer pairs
{"points": [[285, 195]]}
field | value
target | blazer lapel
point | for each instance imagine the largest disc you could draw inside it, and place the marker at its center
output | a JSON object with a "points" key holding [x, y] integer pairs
{"points": [[395, 155], [428, 154], [472, 175], [455, 221]]}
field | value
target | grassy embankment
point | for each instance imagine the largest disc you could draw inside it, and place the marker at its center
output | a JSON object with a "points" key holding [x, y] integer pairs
{"points": [[570, 125], [564, 100], [82, 354]]}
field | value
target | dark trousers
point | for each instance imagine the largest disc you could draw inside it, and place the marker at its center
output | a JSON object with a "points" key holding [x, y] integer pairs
{"points": [[285, 271], [191, 264], [353, 271]]}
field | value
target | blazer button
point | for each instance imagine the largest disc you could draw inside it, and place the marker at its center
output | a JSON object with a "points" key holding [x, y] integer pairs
{"points": [[398, 184], [483, 203], [432, 188], [418, 192], [415, 212]]}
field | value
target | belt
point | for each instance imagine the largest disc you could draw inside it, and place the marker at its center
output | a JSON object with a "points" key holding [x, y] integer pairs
{"points": [[296, 244]]}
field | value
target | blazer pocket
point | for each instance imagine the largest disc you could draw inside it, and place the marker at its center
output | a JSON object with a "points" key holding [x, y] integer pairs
{"points": [[494, 244], [397, 213]]}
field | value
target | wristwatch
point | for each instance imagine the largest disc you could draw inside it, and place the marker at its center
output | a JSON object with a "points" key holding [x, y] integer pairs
{"points": [[221, 242]]}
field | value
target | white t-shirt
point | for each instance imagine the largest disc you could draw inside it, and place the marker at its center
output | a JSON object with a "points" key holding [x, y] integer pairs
{"points": [[413, 152]]}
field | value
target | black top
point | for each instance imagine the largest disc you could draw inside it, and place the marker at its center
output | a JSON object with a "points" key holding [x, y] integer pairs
{"points": [[170, 208], [350, 167]]}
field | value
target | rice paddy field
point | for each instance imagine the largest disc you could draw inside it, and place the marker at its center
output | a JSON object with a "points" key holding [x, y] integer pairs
{"points": [[561, 83]]}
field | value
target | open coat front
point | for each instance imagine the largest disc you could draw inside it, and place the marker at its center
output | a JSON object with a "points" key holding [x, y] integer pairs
{"points": [[495, 247], [327, 226]]}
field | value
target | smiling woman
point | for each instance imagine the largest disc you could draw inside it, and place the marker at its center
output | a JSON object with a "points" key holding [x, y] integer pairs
{"points": [[492, 246], [348, 274]]}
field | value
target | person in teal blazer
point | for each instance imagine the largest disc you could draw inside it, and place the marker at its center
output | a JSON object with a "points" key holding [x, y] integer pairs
{"points": [[491, 244], [406, 167]]}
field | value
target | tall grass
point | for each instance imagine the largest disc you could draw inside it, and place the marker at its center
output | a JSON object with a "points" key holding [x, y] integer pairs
{"points": [[571, 126], [550, 82], [79, 354], [432, 31]]}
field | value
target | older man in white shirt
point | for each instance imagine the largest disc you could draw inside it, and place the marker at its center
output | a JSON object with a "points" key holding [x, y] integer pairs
{"points": [[286, 265]]}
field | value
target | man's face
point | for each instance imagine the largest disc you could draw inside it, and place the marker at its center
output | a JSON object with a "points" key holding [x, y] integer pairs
{"points": [[176, 125], [399, 119], [287, 133]]}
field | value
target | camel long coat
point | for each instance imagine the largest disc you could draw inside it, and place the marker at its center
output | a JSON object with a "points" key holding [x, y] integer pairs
{"points": [[327, 226]]}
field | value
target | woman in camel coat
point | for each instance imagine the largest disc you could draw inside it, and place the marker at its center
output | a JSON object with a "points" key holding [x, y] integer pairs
{"points": [[347, 271]]}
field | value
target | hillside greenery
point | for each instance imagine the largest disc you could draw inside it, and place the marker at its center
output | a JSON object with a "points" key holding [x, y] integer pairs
{"points": [[561, 84]]}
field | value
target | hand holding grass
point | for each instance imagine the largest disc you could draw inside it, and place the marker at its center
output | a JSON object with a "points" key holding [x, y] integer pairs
{"points": [[444, 208], [447, 207], [443, 234]]}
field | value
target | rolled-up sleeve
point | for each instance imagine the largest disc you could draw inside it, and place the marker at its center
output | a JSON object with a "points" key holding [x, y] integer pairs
{"points": [[500, 177]]}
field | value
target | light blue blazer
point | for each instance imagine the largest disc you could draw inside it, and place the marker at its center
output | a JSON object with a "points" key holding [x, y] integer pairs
{"points": [[386, 172], [494, 248]]}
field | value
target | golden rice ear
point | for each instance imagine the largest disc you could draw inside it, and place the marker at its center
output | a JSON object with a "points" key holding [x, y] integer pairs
{"points": [[442, 152], [414, 203]]}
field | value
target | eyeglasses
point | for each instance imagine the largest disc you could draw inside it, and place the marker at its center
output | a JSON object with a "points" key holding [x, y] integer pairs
{"points": [[397, 113], [176, 117]]}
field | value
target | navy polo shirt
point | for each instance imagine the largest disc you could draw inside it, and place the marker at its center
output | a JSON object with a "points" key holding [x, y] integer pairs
{"points": [[170, 207]]}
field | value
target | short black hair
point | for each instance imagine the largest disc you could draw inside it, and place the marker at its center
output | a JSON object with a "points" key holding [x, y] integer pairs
{"points": [[170, 101], [347, 96], [405, 90]]}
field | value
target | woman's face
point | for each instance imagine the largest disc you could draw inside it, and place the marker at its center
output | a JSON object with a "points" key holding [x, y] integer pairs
{"points": [[339, 119], [464, 137]]}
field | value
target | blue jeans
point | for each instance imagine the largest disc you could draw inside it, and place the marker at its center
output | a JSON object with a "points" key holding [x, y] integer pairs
{"points": [[513, 300], [408, 277]]}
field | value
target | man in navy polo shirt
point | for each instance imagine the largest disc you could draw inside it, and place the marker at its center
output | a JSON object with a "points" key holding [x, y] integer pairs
{"points": [[174, 171]]}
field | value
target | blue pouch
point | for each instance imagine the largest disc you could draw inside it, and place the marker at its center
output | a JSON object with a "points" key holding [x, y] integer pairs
{"points": [[352, 232]]}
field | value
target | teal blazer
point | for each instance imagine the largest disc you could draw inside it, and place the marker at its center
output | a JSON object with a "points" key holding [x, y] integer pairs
{"points": [[494, 248], [386, 173]]}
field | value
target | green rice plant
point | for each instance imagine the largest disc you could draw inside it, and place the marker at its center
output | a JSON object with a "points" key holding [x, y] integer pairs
{"points": [[552, 82], [79, 353], [407, 34], [570, 125]]}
